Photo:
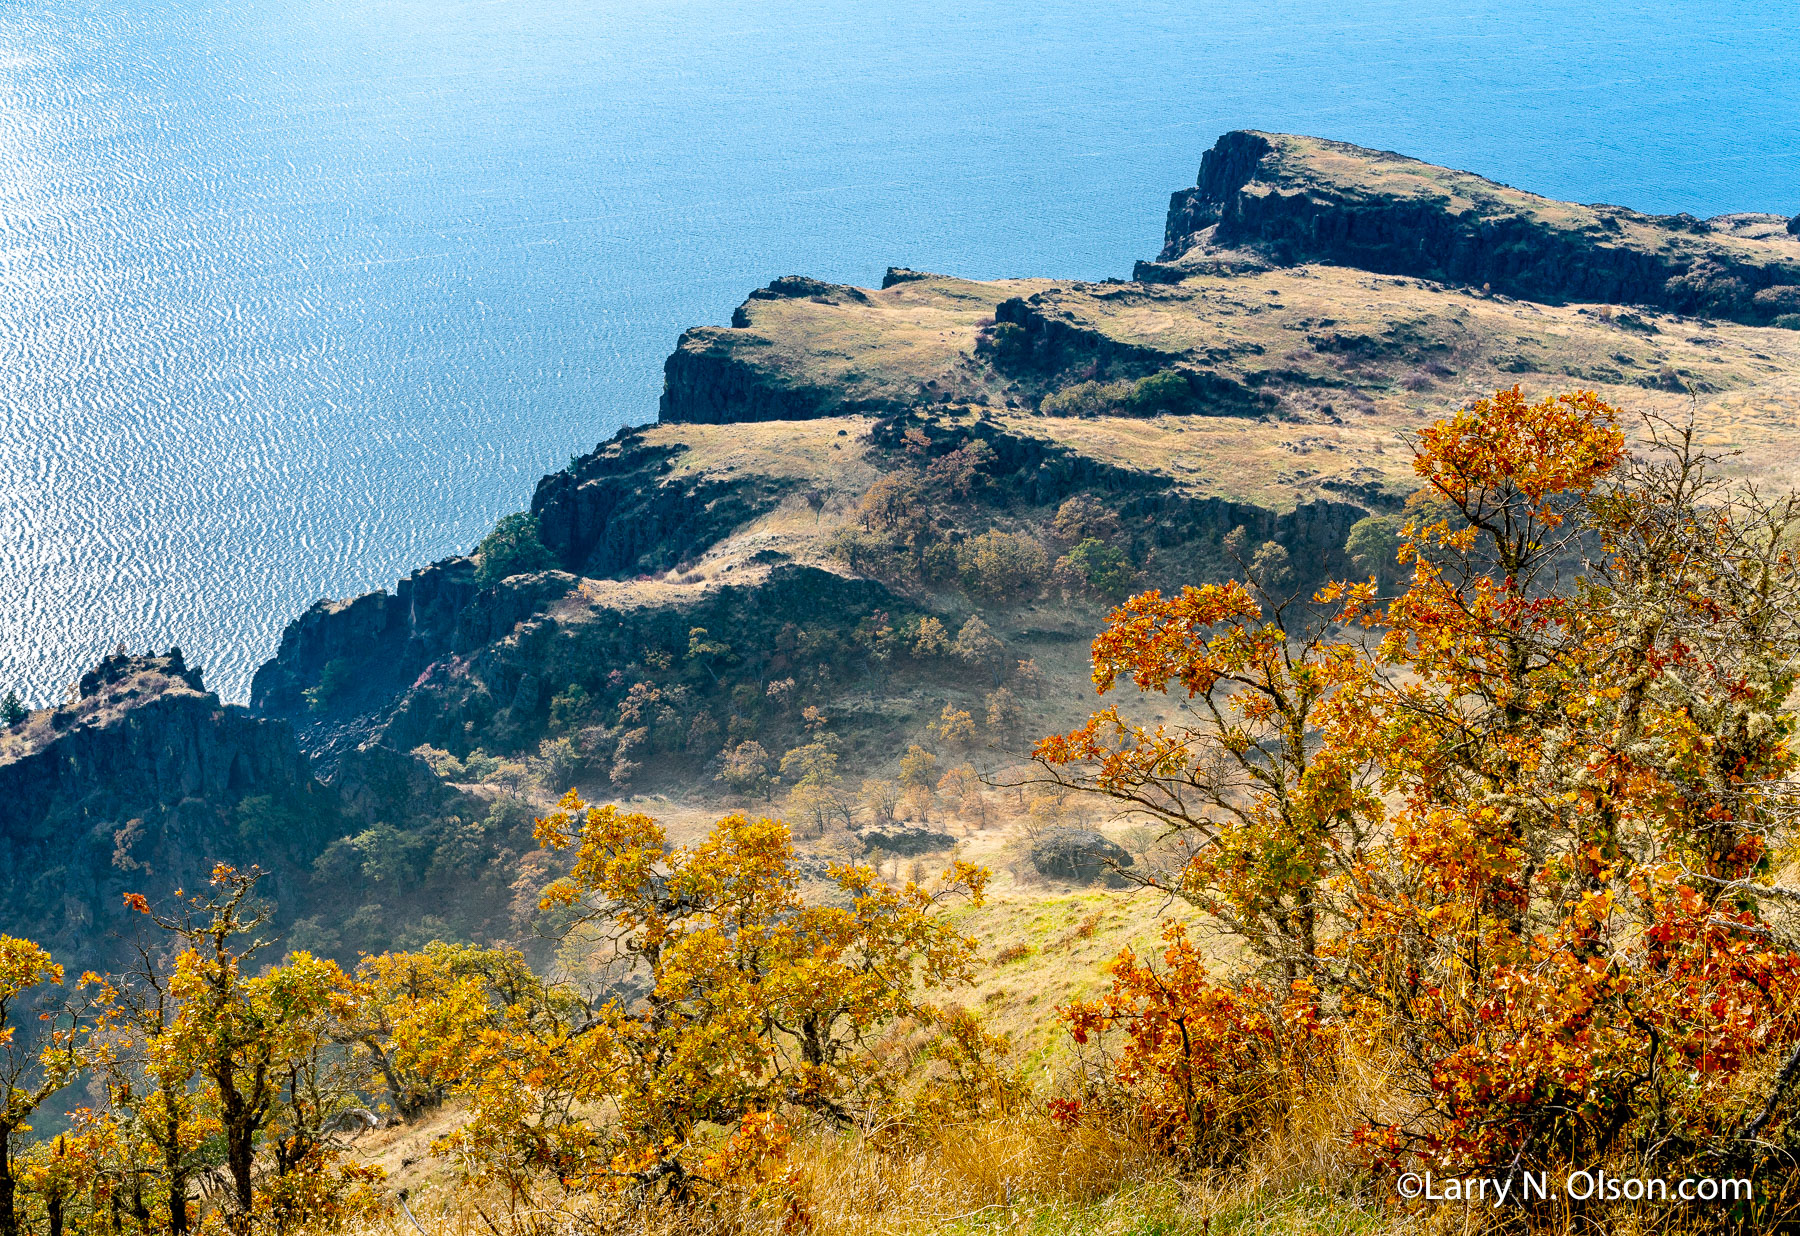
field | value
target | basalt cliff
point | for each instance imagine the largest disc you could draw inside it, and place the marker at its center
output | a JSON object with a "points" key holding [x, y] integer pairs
{"points": [[1292, 200], [865, 513]]}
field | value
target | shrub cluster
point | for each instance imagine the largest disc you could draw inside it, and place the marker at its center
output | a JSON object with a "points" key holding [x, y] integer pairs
{"points": [[907, 534], [1164, 391]]}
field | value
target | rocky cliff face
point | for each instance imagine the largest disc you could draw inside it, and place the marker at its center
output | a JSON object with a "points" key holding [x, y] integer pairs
{"points": [[144, 780], [1294, 200], [355, 656], [345, 670], [708, 380], [774, 547], [140, 784], [617, 511], [500, 694]]}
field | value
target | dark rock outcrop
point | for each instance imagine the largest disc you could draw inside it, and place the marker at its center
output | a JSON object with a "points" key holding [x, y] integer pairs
{"points": [[617, 511], [120, 666], [357, 656], [140, 784], [796, 287], [1052, 341], [905, 840], [1079, 855], [1295, 200], [711, 378]]}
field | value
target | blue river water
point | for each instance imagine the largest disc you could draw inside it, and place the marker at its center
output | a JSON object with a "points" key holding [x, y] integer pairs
{"points": [[296, 295]]}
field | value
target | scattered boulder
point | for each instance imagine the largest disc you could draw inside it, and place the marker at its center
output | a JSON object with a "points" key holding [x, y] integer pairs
{"points": [[1078, 854], [905, 840], [900, 274], [1794, 226], [813, 867]]}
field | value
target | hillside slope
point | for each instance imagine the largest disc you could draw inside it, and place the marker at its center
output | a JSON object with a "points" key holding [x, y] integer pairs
{"points": [[824, 470], [862, 507]]}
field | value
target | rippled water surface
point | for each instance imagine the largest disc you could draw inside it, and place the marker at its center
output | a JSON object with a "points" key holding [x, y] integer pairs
{"points": [[296, 295]]}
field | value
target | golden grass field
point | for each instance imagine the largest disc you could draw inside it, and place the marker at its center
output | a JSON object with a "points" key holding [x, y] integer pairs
{"points": [[1356, 361]]}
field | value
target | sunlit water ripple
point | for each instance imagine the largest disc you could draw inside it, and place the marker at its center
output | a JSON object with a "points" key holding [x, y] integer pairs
{"points": [[296, 295]]}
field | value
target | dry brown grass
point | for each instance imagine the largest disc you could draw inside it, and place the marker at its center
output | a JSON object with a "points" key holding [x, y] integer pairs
{"points": [[1356, 362], [1015, 1175], [1022, 1175]]}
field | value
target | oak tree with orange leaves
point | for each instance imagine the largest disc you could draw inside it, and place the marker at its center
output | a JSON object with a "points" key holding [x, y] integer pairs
{"points": [[1517, 826]]}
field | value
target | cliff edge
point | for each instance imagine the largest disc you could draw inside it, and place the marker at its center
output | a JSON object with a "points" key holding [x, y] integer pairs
{"points": [[1290, 200], [140, 783]]}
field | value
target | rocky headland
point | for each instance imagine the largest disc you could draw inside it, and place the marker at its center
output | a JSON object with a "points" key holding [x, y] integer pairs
{"points": [[1290, 200], [863, 510]]}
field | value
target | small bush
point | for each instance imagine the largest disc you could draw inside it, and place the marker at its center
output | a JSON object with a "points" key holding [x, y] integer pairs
{"points": [[997, 566], [1167, 391], [1373, 547], [479, 765], [512, 548], [925, 637], [1205, 1068], [1009, 342], [441, 762], [567, 707], [333, 679], [918, 767], [1096, 568], [1088, 399], [976, 645], [1011, 953], [1084, 516], [746, 768]]}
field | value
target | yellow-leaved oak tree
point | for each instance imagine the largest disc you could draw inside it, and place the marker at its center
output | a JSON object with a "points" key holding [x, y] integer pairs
{"points": [[416, 1013], [734, 1009], [32, 1067], [153, 1133], [1513, 832], [201, 1047]]}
